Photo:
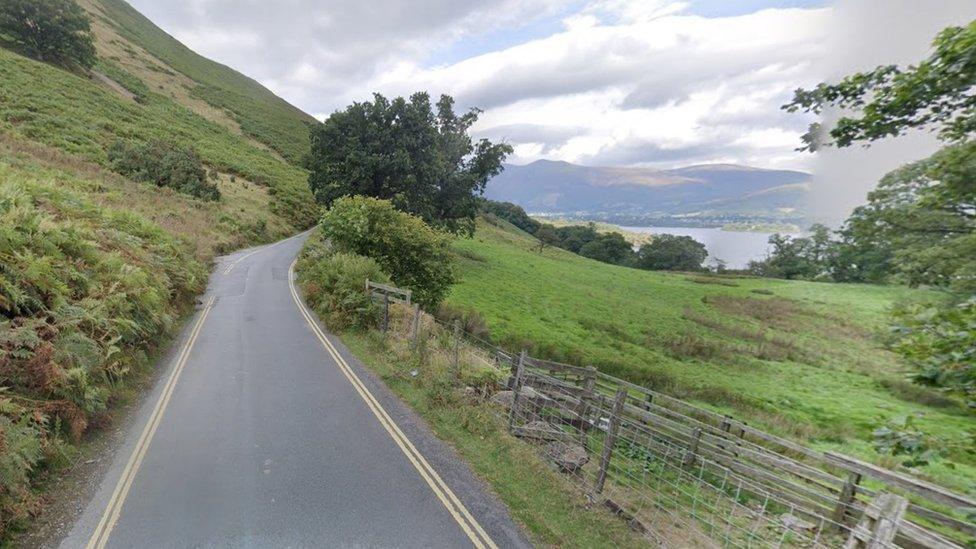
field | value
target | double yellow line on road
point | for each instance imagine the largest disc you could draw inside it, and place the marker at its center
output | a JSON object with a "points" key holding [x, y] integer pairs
{"points": [[458, 511], [111, 515]]}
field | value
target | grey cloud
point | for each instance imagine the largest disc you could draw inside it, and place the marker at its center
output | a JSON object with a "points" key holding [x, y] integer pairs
{"points": [[682, 73], [640, 151], [550, 136], [768, 115], [347, 41]]}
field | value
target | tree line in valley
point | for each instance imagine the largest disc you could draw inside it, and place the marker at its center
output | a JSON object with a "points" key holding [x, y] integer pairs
{"points": [[664, 252]]}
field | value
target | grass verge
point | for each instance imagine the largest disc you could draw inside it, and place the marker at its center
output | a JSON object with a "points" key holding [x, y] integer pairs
{"points": [[552, 511]]}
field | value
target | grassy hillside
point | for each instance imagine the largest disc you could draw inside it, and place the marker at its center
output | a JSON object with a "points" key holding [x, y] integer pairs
{"points": [[87, 294], [79, 116], [802, 359], [126, 35]]}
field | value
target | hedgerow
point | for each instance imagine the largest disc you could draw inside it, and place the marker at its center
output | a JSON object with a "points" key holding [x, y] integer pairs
{"points": [[334, 285]]}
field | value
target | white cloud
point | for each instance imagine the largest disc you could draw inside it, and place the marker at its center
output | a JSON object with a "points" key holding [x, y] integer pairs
{"points": [[636, 81]]}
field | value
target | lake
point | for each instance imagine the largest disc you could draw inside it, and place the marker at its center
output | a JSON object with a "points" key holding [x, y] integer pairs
{"points": [[735, 248]]}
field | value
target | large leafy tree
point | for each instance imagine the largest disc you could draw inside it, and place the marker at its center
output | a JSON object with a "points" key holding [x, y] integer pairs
{"points": [[667, 252], [415, 154], [938, 93], [609, 248], [54, 31], [921, 220], [807, 257]]}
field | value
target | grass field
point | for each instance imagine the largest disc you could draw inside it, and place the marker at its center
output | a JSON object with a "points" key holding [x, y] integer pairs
{"points": [[801, 359]]}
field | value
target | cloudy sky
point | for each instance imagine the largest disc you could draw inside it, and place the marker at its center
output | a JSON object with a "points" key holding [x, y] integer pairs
{"points": [[599, 82]]}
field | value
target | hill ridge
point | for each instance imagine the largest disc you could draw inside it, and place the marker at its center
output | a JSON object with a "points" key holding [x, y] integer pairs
{"points": [[708, 190]]}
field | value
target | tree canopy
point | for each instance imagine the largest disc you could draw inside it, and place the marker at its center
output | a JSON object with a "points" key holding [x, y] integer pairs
{"points": [[920, 221], [803, 257], [609, 248], [53, 31], [668, 252], [415, 154], [938, 93]]}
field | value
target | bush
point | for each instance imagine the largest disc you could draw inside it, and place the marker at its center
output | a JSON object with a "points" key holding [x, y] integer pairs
{"points": [[415, 255], [54, 31], [334, 285], [164, 164]]}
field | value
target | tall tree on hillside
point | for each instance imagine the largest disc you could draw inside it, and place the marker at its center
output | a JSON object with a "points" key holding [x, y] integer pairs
{"points": [[415, 154], [54, 31], [921, 219]]}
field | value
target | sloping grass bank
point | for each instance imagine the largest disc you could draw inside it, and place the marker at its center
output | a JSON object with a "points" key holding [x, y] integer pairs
{"points": [[801, 359]]}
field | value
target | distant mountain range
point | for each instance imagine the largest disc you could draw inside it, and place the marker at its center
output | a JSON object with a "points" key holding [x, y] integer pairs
{"points": [[711, 192]]}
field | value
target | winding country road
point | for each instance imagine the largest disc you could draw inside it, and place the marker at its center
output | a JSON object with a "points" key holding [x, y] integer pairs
{"points": [[266, 432]]}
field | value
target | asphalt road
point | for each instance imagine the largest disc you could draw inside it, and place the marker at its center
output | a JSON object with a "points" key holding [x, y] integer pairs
{"points": [[259, 435]]}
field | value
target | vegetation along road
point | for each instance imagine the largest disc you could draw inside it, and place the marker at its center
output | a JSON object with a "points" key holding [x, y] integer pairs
{"points": [[266, 432]]}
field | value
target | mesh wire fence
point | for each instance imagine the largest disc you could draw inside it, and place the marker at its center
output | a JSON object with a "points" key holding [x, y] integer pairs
{"points": [[679, 489]]}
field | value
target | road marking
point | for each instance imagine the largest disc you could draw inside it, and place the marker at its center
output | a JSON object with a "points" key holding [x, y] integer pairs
{"points": [[111, 515], [458, 511], [239, 259], [265, 247]]}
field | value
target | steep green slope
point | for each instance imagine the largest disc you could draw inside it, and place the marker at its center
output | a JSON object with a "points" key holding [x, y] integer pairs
{"points": [[802, 359], [260, 113], [82, 117]]}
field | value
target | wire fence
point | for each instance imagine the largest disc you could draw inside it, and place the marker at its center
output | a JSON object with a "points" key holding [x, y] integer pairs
{"points": [[686, 476]]}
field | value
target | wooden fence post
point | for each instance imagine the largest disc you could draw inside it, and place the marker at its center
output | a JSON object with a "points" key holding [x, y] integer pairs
{"points": [[583, 411], [513, 366], [846, 498], [516, 390], [610, 440], [415, 326], [386, 312], [457, 349], [880, 523], [689, 457]]}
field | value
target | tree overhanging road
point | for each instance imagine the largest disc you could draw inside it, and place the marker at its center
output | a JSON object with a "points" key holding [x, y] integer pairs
{"points": [[266, 432]]}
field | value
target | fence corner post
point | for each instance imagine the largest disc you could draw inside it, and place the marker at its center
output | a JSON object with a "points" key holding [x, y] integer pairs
{"points": [[415, 326], [610, 440], [880, 523], [516, 391]]}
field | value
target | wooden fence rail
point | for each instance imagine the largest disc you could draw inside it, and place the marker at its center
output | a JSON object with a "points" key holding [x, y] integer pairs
{"points": [[820, 486], [835, 492]]}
